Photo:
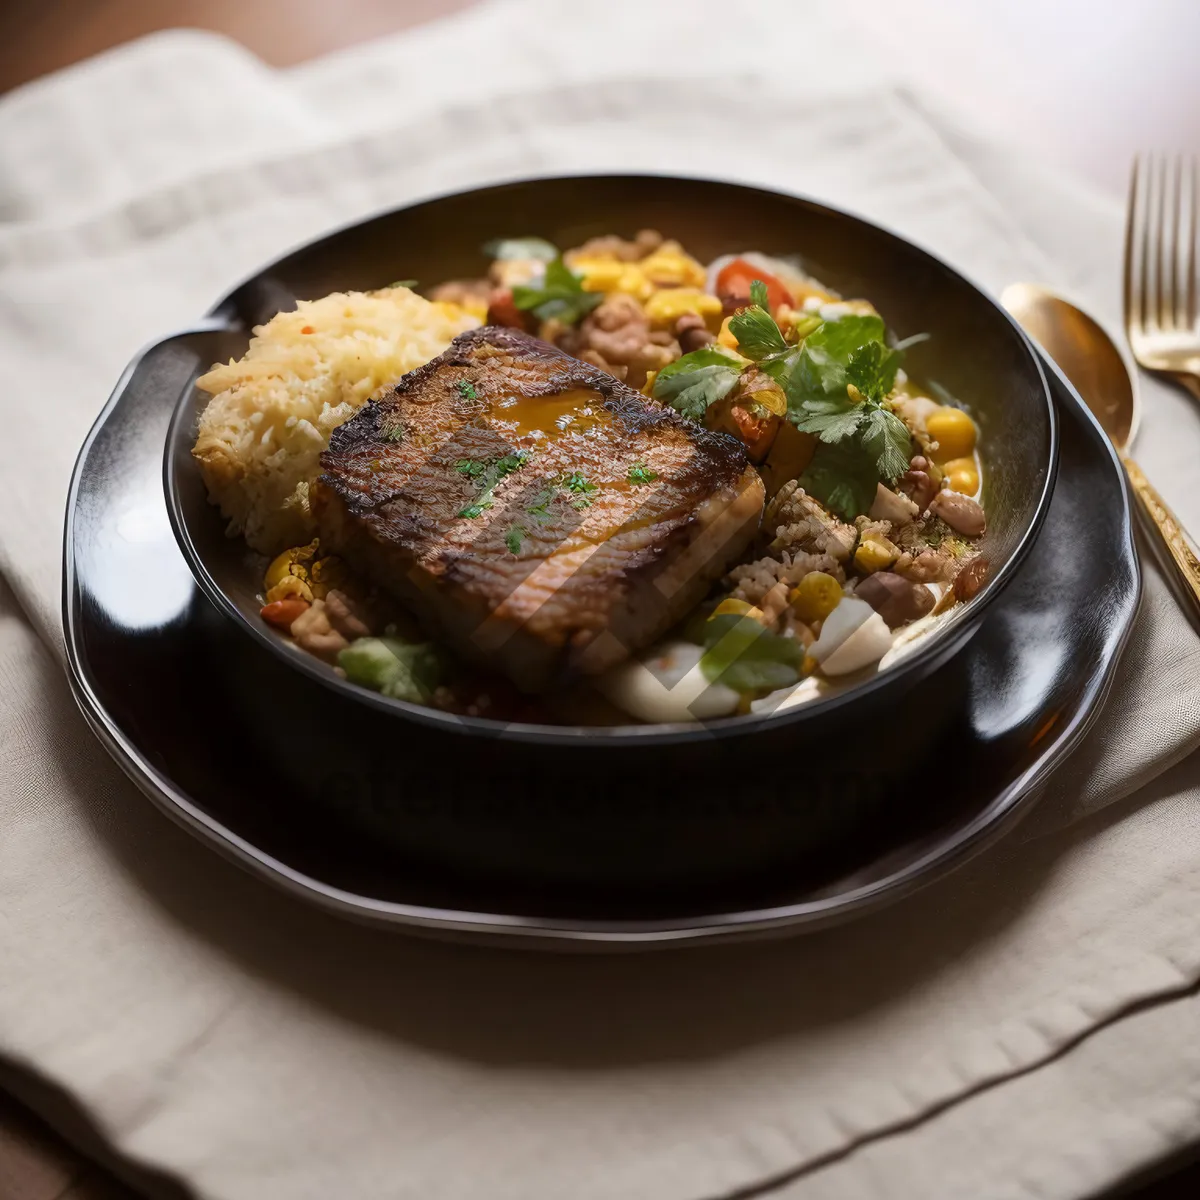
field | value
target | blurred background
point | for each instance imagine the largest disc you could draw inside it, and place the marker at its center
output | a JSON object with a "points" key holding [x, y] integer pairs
{"points": [[1084, 82]]}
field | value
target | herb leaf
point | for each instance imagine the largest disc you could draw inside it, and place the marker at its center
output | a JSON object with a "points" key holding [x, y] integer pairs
{"points": [[691, 383], [843, 477], [823, 360], [886, 438], [395, 434], [466, 389], [404, 283], [521, 248], [742, 655], [488, 474], [513, 539], [559, 295], [872, 369], [759, 295], [758, 336], [579, 487], [639, 473]]}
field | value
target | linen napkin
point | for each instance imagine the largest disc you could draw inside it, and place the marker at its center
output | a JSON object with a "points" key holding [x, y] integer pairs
{"points": [[1000, 1034]]}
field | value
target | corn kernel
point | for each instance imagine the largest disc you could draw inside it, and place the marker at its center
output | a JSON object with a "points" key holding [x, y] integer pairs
{"points": [[291, 562], [670, 266], [599, 274], [875, 553], [290, 587], [725, 338], [962, 475], [648, 386], [666, 306], [953, 431], [815, 596], [740, 608], [633, 282]]}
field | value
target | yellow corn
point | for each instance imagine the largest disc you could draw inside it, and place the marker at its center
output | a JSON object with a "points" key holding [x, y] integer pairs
{"points": [[671, 266], [953, 431], [815, 596], [290, 587], [875, 553], [291, 562], [667, 305], [962, 475], [725, 338], [741, 608], [648, 386]]}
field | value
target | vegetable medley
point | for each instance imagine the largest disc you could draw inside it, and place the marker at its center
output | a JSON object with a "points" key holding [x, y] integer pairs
{"points": [[873, 514]]}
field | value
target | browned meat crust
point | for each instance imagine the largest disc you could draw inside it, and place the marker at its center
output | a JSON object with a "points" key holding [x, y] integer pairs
{"points": [[532, 509]]}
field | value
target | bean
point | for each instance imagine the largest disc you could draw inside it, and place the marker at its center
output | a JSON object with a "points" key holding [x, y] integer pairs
{"points": [[960, 512], [896, 600], [970, 579]]}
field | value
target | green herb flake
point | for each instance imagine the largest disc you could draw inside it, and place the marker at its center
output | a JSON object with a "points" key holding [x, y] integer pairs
{"points": [[466, 389], [560, 295], [513, 539], [579, 487], [639, 473], [395, 434], [691, 383], [404, 283], [488, 475]]}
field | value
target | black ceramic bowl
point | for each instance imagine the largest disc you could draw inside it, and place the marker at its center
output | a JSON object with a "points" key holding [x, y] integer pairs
{"points": [[588, 777]]}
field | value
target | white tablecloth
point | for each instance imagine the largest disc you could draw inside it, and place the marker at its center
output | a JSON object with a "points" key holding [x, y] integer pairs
{"points": [[1026, 1027]]}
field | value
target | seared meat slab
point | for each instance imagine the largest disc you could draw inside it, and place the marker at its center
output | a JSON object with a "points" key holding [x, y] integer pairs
{"points": [[533, 510]]}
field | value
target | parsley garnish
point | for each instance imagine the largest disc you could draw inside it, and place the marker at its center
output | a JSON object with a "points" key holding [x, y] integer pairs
{"points": [[579, 487], [466, 389], [758, 336], [513, 539], [843, 476], [395, 434], [691, 383], [560, 295], [640, 473], [489, 475]]}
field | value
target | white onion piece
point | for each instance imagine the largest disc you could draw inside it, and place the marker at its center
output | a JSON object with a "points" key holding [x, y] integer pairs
{"points": [[789, 697], [667, 686], [853, 636]]}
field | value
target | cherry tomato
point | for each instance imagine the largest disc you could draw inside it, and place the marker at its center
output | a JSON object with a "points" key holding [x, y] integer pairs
{"points": [[281, 613], [502, 311], [735, 278]]}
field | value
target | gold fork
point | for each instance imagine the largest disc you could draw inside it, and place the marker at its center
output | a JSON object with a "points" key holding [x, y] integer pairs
{"points": [[1161, 315], [1161, 318]]}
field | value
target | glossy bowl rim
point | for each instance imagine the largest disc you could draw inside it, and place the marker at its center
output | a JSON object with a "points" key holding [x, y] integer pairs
{"points": [[937, 648]]}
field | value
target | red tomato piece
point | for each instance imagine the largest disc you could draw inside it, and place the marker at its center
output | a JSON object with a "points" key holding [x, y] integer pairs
{"points": [[733, 286]]}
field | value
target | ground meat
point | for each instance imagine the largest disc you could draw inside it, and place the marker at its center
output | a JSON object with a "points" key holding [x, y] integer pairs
{"points": [[617, 334], [800, 523], [610, 246], [753, 581]]}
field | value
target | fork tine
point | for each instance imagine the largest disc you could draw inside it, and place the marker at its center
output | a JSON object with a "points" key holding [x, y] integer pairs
{"points": [[1160, 250], [1193, 204], [1175, 307], [1133, 315]]}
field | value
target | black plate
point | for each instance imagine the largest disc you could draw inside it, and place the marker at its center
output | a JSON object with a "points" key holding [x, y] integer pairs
{"points": [[975, 350], [286, 789]]}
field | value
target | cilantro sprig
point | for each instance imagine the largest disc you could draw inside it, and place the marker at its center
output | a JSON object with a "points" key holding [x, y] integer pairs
{"points": [[559, 295], [691, 383]]}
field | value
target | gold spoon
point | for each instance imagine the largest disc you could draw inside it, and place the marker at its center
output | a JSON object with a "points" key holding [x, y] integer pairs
{"points": [[1089, 358]]}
